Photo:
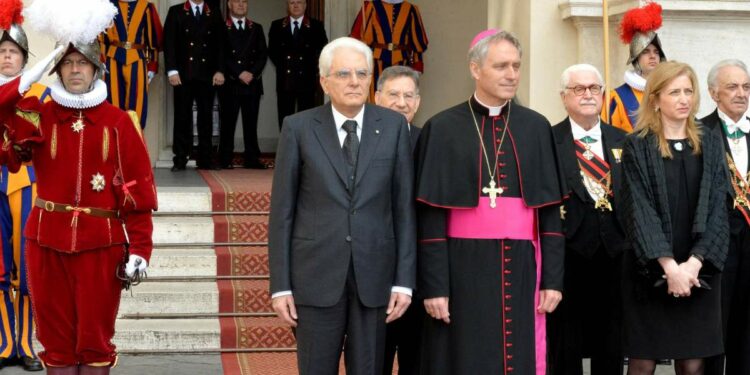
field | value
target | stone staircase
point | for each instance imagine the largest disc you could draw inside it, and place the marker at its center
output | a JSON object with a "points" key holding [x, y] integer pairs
{"points": [[181, 280]]}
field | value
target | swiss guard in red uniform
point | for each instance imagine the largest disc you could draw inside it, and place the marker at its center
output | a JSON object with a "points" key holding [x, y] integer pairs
{"points": [[95, 197]]}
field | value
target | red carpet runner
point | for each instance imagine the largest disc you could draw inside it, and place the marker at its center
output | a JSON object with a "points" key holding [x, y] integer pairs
{"points": [[247, 190]]}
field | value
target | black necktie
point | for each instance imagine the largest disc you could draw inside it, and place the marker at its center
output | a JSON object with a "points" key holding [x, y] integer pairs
{"points": [[239, 25], [351, 148], [295, 29], [197, 13]]}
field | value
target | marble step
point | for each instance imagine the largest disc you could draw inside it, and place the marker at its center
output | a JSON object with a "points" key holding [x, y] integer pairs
{"points": [[170, 297], [184, 199], [182, 262], [185, 230], [167, 334]]}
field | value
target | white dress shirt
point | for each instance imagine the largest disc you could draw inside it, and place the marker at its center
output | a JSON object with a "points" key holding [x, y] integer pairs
{"points": [[339, 119], [597, 148], [236, 21], [291, 23], [738, 147]]}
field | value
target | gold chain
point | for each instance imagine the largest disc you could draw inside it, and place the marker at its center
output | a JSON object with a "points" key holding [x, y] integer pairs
{"points": [[492, 172]]}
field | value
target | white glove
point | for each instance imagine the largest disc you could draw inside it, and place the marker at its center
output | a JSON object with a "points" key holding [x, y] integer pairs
{"points": [[36, 72], [135, 262], [150, 76]]}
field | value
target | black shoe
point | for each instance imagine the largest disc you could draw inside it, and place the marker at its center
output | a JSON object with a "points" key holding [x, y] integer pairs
{"points": [[9, 361], [31, 364], [177, 168], [255, 164]]}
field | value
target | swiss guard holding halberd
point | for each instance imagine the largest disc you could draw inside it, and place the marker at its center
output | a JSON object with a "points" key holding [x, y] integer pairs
{"points": [[95, 190]]}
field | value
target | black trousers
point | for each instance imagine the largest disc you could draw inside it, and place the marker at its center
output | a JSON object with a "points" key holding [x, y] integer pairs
{"points": [[587, 322], [404, 336], [735, 304], [291, 102], [184, 95], [232, 100], [322, 332]]}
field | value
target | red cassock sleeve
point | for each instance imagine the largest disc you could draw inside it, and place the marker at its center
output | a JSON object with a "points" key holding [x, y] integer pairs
{"points": [[134, 187]]}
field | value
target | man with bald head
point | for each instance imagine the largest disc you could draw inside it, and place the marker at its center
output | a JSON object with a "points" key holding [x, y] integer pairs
{"points": [[586, 324], [729, 86]]}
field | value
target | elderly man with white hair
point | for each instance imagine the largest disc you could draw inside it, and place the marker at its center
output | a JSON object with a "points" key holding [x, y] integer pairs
{"points": [[342, 243], [587, 324], [729, 86]]}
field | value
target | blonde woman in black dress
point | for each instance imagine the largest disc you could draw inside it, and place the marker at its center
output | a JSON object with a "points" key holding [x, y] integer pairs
{"points": [[675, 215]]}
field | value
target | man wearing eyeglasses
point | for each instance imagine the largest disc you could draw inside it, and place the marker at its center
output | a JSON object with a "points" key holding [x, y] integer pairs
{"points": [[586, 324], [729, 86], [342, 228], [398, 89]]}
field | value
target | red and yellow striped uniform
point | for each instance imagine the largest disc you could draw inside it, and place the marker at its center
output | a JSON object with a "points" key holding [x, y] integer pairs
{"points": [[17, 194], [131, 48], [394, 32]]}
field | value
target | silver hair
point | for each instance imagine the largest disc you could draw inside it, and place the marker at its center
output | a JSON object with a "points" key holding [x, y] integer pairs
{"points": [[565, 77], [713, 74], [326, 55], [478, 53], [397, 71]]}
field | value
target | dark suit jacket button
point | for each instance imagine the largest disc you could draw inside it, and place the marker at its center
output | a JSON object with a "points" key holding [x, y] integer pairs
{"points": [[348, 238]]}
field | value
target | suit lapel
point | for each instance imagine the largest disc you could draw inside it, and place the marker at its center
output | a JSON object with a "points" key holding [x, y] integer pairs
{"points": [[570, 161], [371, 133], [325, 131]]}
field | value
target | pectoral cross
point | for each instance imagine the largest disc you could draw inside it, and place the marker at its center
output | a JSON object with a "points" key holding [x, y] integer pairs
{"points": [[493, 192]]}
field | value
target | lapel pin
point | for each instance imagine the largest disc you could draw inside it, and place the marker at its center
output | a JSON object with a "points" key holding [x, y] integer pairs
{"points": [[617, 153], [377, 131]]}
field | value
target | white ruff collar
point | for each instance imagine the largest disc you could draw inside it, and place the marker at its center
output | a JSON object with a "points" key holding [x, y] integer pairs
{"points": [[4, 79], [79, 101], [635, 80]]}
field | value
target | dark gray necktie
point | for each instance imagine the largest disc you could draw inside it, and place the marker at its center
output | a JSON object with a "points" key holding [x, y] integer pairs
{"points": [[239, 23], [295, 29], [351, 143], [197, 13]]}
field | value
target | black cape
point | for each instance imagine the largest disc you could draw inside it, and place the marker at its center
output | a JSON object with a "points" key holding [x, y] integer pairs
{"points": [[443, 145]]}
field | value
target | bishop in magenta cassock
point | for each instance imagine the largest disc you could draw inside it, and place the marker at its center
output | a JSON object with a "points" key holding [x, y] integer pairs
{"points": [[491, 247]]}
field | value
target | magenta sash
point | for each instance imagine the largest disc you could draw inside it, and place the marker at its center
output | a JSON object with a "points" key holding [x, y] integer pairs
{"points": [[511, 220]]}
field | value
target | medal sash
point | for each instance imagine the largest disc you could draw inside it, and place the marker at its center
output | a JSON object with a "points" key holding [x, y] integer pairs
{"points": [[740, 187]]}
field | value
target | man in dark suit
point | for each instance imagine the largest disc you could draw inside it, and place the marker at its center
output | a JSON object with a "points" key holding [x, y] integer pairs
{"points": [[398, 89], [342, 242], [729, 86], [294, 44], [586, 325], [194, 59], [246, 57]]}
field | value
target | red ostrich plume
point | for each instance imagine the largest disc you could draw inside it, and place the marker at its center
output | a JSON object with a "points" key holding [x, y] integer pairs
{"points": [[10, 13], [643, 20]]}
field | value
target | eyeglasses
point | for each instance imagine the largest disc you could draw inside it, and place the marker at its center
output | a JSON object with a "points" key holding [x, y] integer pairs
{"points": [[395, 96], [342, 75], [580, 90]]}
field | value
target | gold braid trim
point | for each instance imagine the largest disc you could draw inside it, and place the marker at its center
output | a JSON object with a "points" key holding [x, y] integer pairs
{"points": [[105, 144], [136, 122], [53, 143]]}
